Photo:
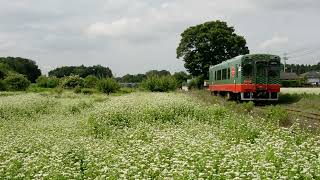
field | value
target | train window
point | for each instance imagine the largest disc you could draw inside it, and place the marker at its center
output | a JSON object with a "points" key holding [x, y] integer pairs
{"points": [[274, 69], [215, 75], [229, 72], [261, 68], [224, 74], [247, 69], [219, 75]]}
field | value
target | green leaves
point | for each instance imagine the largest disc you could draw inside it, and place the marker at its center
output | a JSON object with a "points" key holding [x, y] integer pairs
{"points": [[108, 85], [209, 44]]}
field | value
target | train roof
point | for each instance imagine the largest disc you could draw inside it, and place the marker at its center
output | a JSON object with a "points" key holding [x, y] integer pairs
{"points": [[240, 57]]}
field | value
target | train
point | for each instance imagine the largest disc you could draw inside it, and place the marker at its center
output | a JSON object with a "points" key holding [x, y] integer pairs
{"points": [[251, 77]]}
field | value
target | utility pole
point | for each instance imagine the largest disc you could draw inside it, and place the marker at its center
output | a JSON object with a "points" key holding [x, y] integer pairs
{"points": [[285, 59]]}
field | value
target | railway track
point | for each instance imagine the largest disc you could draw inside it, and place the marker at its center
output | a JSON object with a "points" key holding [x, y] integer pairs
{"points": [[308, 115], [304, 114]]}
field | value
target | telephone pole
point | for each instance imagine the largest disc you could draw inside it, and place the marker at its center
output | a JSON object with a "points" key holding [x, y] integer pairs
{"points": [[285, 59]]}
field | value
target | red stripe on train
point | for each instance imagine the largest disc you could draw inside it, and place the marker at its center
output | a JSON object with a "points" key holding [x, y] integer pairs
{"points": [[236, 88]]}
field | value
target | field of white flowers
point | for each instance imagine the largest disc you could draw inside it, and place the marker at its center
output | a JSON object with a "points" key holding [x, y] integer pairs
{"points": [[301, 90], [145, 136]]}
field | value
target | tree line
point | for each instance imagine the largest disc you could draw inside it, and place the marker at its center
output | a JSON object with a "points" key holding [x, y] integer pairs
{"points": [[301, 68]]}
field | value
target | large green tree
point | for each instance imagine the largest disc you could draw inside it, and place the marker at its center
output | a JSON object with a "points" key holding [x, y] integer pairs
{"points": [[209, 44], [27, 67]]}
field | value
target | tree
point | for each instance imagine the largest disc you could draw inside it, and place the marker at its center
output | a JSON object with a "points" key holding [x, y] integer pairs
{"points": [[209, 44], [158, 73], [23, 66], [181, 77], [128, 78], [82, 71]]}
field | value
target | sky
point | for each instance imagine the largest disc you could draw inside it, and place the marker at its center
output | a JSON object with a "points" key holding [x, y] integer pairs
{"points": [[134, 36]]}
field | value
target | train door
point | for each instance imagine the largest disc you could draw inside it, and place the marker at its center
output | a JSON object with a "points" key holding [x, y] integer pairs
{"points": [[261, 73]]}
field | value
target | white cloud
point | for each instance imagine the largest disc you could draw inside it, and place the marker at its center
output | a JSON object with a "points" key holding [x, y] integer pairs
{"points": [[274, 42], [116, 28]]}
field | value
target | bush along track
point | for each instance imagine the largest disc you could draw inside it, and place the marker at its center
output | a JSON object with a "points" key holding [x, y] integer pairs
{"points": [[153, 135]]}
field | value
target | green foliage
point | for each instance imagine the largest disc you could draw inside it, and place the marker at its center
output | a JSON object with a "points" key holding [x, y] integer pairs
{"points": [[16, 82], [82, 71], [71, 82], [248, 106], [108, 86], [126, 90], [47, 82], [91, 81], [209, 44], [278, 115], [160, 83], [302, 68], [128, 78], [181, 78], [58, 90], [3, 85], [290, 83], [53, 82], [87, 91], [196, 83], [289, 98], [42, 81], [158, 73], [77, 90], [23, 66], [4, 70]]}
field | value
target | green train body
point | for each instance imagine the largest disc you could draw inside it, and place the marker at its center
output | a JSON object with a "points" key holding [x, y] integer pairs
{"points": [[247, 77]]}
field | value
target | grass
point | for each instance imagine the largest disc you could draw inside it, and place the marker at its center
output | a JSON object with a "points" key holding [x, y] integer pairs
{"points": [[301, 90], [147, 135]]}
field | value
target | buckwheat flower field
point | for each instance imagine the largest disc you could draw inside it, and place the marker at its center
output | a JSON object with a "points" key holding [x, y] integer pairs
{"points": [[146, 136]]}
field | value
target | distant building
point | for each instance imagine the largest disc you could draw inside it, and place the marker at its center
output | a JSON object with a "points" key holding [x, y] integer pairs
{"points": [[288, 76], [289, 79], [312, 77]]}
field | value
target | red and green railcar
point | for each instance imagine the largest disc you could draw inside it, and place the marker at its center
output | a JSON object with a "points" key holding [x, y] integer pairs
{"points": [[247, 77]]}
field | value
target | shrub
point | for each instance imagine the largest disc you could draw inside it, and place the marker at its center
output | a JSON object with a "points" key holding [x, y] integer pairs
{"points": [[77, 90], [71, 82], [47, 82], [196, 83], [278, 115], [53, 82], [87, 91], [248, 106], [290, 83], [3, 86], [58, 90], [108, 86], [126, 90], [160, 83], [42, 81], [17, 82], [91, 81]]}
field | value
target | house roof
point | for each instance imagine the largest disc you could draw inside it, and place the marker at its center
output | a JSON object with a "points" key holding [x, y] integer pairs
{"points": [[311, 74], [288, 76]]}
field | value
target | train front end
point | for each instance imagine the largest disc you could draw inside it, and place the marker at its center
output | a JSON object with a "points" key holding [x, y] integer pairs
{"points": [[260, 77]]}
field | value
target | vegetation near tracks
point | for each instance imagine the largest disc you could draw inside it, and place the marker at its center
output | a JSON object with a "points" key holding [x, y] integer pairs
{"points": [[145, 135]]}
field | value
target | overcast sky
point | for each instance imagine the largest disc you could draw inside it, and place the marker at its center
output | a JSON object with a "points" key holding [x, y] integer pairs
{"points": [[134, 36]]}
